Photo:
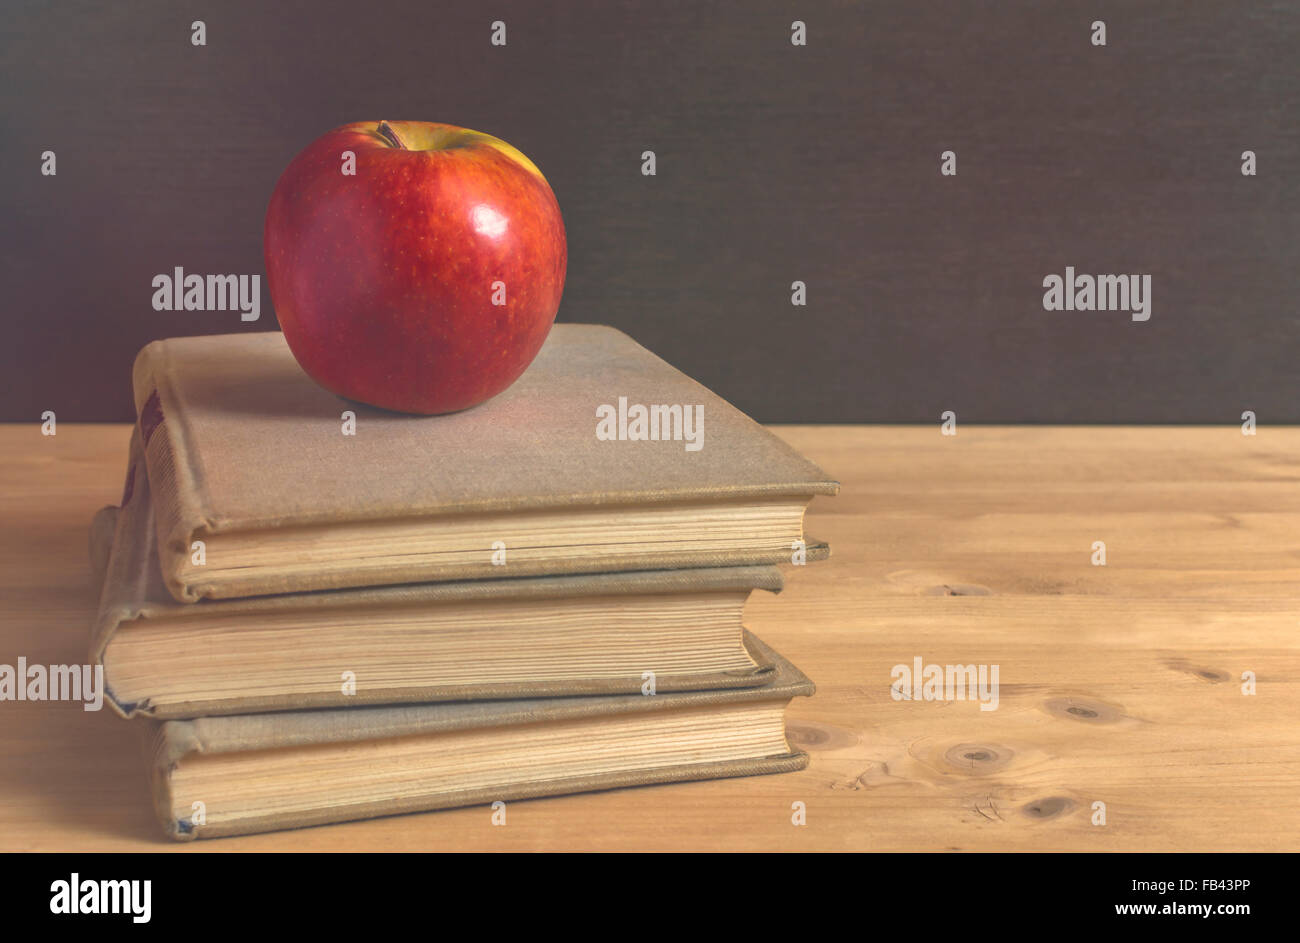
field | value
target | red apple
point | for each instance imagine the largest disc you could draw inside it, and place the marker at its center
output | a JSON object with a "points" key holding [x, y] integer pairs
{"points": [[426, 280]]}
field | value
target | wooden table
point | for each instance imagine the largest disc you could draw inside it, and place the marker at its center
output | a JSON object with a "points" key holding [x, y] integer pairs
{"points": [[1119, 684]]}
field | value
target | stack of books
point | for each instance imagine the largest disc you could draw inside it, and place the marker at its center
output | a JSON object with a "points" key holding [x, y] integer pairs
{"points": [[330, 612]]}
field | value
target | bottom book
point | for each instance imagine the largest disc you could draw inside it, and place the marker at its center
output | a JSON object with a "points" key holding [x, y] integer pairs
{"points": [[232, 775]]}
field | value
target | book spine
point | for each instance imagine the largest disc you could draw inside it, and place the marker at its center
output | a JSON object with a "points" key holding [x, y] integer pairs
{"points": [[173, 483], [162, 754], [126, 577]]}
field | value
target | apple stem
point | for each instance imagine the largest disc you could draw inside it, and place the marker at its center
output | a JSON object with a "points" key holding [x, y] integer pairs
{"points": [[389, 133]]}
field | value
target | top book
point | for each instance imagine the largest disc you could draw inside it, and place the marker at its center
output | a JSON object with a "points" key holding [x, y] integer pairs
{"points": [[601, 457]]}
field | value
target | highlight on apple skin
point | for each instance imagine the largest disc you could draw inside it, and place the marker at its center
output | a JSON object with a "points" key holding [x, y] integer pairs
{"points": [[414, 266]]}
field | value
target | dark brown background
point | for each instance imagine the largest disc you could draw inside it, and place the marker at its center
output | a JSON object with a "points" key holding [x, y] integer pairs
{"points": [[775, 163]]}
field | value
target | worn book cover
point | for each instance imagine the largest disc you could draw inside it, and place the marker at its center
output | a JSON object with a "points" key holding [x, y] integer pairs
{"points": [[528, 637], [217, 776], [601, 457]]}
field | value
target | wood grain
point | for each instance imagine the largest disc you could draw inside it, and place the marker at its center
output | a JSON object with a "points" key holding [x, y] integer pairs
{"points": [[1119, 684]]}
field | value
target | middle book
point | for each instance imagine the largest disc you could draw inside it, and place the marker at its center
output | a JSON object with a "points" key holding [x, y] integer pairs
{"points": [[604, 633]]}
